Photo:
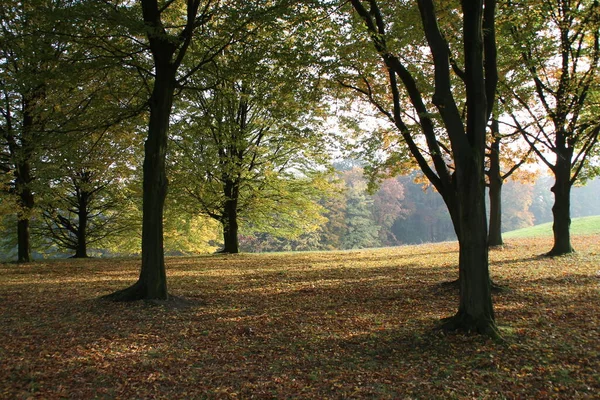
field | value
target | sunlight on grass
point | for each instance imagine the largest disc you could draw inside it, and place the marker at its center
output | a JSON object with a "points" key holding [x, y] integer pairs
{"points": [[579, 226], [312, 325]]}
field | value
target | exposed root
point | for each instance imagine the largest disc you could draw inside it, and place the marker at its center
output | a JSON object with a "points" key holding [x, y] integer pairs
{"points": [[132, 293], [226, 253], [137, 293], [557, 253], [455, 285], [496, 288], [464, 323]]}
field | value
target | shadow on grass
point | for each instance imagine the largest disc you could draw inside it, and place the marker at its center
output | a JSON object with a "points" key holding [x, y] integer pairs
{"points": [[326, 331]]}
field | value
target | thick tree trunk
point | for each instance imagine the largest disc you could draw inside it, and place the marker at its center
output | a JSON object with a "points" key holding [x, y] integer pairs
{"points": [[230, 220], [23, 240], [26, 202], [152, 283], [475, 312], [81, 249], [561, 210], [495, 194], [168, 51], [230, 235]]}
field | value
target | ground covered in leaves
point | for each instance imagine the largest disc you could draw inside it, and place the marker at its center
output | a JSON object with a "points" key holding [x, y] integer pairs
{"points": [[354, 324]]}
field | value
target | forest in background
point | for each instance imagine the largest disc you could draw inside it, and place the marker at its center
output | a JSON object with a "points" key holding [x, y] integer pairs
{"points": [[402, 210], [405, 211]]}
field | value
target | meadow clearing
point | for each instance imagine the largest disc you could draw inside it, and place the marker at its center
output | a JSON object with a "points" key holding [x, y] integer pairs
{"points": [[352, 324]]}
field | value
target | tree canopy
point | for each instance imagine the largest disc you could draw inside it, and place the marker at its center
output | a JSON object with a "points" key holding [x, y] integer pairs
{"points": [[163, 122]]}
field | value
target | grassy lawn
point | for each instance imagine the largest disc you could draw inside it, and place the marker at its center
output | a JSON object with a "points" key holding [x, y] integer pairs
{"points": [[579, 226], [315, 325]]}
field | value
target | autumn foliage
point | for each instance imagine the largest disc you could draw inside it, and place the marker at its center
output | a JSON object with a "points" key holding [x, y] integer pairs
{"points": [[356, 324]]}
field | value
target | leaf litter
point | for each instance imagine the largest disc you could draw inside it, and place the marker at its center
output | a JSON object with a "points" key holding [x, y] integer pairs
{"points": [[354, 324]]}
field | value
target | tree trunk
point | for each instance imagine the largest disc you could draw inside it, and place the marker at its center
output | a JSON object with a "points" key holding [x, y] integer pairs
{"points": [[23, 241], [230, 235], [475, 312], [23, 181], [464, 190], [230, 223], [82, 216], [26, 202], [152, 283], [168, 51], [495, 193], [495, 231], [561, 210]]}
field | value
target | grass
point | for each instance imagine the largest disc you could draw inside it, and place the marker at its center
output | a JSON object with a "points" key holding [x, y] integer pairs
{"points": [[318, 326], [579, 226]]}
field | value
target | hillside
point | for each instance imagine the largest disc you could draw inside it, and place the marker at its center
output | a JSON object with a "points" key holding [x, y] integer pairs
{"points": [[579, 226]]}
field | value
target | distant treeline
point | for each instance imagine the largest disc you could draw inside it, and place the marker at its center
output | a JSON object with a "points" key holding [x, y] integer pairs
{"points": [[404, 211]]}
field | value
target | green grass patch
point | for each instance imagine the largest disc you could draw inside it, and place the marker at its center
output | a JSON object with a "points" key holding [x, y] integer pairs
{"points": [[579, 226]]}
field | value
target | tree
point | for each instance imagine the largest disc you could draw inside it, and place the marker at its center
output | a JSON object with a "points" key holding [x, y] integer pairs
{"points": [[387, 208], [426, 217], [517, 201], [170, 31], [250, 147], [28, 60], [361, 229], [541, 205], [585, 199], [456, 170], [504, 160], [182, 40], [89, 198], [188, 233], [55, 91], [558, 42], [334, 230]]}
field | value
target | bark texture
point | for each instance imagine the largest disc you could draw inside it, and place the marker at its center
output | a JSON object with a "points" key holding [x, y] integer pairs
{"points": [[230, 218], [475, 312], [495, 193], [561, 210]]}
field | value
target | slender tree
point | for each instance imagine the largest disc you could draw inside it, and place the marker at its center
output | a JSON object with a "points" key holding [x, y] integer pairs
{"points": [[503, 162], [558, 42], [29, 56], [361, 227], [241, 157], [88, 200], [54, 92], [250, 148]]}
